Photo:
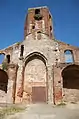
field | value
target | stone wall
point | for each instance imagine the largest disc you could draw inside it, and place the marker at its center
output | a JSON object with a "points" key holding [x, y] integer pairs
{"points": [[40, 64], [63, 47], [12, 74]]}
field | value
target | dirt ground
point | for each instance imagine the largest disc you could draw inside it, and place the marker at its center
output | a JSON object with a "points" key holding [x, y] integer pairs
{"points": [[45, 111]]}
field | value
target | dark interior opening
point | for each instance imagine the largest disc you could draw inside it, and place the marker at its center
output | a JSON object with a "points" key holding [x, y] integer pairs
{"points": [[3, 80], [8, 58], [71, 77], [49, 16], [22, 50], [50, 28], [33, 27], [37, 15], [39, 32], [37, 11]]}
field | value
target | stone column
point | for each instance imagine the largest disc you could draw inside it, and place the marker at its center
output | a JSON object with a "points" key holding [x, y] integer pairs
{"points": [[62, 56], [9, 97], [50, 84], [57, 85], [19, 84], [12, 74]]}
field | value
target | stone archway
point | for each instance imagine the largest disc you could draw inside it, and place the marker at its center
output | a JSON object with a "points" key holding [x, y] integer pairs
{"points": [[3, 85], [35, 89], [70, 76]]}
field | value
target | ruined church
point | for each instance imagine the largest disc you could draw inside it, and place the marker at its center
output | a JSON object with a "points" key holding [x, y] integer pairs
{"points": [[40, 69]]}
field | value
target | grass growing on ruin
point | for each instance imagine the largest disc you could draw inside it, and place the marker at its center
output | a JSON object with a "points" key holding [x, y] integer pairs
{"points": [[62, 104], [9, 111]]}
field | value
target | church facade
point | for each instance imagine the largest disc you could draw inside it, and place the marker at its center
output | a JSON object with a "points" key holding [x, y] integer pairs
{"points": [[40, 69]]}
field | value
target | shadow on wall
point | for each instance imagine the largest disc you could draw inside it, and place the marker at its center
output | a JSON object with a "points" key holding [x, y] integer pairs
{"points": [[3, 80], [70, 76]]}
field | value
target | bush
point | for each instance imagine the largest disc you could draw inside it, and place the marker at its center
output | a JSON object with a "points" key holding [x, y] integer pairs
{"points": [[38, 16]]}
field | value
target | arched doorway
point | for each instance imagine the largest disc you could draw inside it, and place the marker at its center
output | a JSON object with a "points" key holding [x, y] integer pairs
{"points": [[3, 86], [35, 80], [70, 76]]}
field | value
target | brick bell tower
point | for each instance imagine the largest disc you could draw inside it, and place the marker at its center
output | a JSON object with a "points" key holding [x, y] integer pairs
{"points": [[38, 20]]}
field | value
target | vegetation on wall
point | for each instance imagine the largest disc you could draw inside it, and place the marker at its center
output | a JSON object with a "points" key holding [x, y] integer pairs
{"points": [[18, 43], [4, 65], [38, 16]]}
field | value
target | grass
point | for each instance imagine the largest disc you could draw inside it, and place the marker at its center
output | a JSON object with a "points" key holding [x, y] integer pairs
{"points": [[73, 103], [9, 111], [62, 104]]}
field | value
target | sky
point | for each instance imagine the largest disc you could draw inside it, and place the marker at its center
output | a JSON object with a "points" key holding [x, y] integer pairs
{"points": [[65, 15]]}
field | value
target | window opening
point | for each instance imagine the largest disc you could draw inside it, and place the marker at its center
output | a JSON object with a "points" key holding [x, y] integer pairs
{"points": [[68, 56], [22, 50], [8, 58], [37, 11]]}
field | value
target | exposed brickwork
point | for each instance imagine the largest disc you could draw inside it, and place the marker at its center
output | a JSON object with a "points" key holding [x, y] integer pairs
{"points": [[38, 62], [57, 85], [32, 26]]}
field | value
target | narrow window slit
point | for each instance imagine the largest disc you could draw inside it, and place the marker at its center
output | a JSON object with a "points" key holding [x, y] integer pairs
{"points": [[22, 50]]}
